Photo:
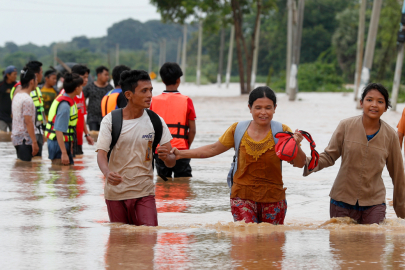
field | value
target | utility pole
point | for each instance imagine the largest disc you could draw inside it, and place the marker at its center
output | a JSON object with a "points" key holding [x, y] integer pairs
{"points": [[117, 54], [400, 58], [178, 51], [160, 58], [369, 54], [293, 84], [255, 56], [221, 57], [360, 47], [230, 52], [200, 27], [289, 43], [183, 57], [150, 58], [163, 51], [55, 55], [160, 53]]}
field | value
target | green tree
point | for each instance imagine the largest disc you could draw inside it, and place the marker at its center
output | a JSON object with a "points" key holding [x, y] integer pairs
{"points": [[18, 59]]}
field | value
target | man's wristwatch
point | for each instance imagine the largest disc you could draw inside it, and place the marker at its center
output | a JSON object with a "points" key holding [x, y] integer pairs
{"points": [[86, 135]]}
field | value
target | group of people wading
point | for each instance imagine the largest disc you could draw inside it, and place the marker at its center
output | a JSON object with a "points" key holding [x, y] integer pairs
{"points": [[139, 132], [365, 143]]}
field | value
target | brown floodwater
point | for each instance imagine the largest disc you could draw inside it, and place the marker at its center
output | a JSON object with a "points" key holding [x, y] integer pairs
{"points": [[55, 217]]}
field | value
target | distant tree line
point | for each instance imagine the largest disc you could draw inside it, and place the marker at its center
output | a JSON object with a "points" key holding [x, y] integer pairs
{"points": [[328, 50]]}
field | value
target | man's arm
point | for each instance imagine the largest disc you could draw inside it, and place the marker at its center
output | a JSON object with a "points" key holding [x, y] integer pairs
{"points": [[102, 161], [31, 132], [191, 132], [59, 137], [88, 138]]}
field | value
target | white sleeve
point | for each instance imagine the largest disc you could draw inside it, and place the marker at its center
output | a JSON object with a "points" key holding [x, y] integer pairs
{"points": [[166, 136], [104, 136]]}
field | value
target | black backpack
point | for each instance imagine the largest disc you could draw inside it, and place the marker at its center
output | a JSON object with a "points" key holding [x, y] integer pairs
{"points": [[116, 120]]}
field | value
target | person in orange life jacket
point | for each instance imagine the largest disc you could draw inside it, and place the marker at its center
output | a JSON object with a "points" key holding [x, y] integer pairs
{"points": [[9, 80], [115, 98], [48, 91], [24, 114], [61, 126], [129, 190], [95, 92], [81, 127], [178, 112], [35, 66]]}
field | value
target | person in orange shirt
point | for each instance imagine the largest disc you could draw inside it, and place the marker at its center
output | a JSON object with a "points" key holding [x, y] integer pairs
{"points": [[178, 112]]}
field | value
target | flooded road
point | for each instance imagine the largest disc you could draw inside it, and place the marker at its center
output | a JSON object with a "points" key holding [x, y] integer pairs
{"points": [[55, 217]]}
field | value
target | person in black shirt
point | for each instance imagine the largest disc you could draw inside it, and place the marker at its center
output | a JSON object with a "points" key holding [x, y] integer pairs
{"points": [[9, 80], [95, 92]]}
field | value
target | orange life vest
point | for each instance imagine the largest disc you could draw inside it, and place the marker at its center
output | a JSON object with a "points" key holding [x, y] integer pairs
{"points": [[173, 109], [109, 101]]}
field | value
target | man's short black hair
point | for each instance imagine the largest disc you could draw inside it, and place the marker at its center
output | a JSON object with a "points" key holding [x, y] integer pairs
{"points": [[100, 69], [49, 73], [170, 72], [34, 66], [80, 69], [130, 78], [116, 73]]}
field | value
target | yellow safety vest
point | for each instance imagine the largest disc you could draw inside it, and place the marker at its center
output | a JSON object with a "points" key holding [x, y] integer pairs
{"points": [[70, 135], [36, 96]]}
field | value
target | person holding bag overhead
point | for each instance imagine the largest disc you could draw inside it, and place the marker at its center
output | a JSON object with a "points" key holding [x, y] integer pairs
{"points": [[366, 145], [256, 182]]}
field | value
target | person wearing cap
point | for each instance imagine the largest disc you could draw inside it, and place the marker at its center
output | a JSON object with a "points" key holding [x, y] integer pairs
{"points": [[9, 80]]}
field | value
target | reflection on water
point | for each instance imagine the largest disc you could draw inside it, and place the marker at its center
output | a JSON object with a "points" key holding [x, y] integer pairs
{"points": [[55, 217]]}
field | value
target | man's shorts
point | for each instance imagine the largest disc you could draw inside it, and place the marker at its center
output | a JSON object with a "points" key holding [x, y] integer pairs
{"points": [[24, 151], [54, 151]]}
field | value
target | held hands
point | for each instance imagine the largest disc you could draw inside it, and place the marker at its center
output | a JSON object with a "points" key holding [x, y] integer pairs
{"points": [[163, 152], [175, 152], [113, 178], [298, 136]]}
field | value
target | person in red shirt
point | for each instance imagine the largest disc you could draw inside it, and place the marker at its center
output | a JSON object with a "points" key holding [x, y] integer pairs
{"points": [[178, 112], [81, 127]]}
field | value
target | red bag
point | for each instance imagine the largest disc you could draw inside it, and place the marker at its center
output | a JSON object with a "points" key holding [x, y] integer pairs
{"points": [[286, 148]]}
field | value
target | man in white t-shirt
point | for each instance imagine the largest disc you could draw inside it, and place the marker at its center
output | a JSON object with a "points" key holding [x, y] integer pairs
{"points": [[129, 190]]}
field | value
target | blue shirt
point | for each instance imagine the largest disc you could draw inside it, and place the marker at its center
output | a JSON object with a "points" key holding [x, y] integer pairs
{"points": [[63, 116], [369, 137]]}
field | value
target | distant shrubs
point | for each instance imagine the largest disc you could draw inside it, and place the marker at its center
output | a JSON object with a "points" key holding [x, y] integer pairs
{"points": [[319, 77]]}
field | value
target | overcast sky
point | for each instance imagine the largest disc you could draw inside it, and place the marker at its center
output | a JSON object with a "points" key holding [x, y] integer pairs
{"points": [[45, 21]]}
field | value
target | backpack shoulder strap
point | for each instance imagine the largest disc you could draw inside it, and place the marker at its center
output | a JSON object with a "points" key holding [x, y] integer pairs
{"points": [[157, 126], [241, 128], [276, 127], [116, 127]]}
